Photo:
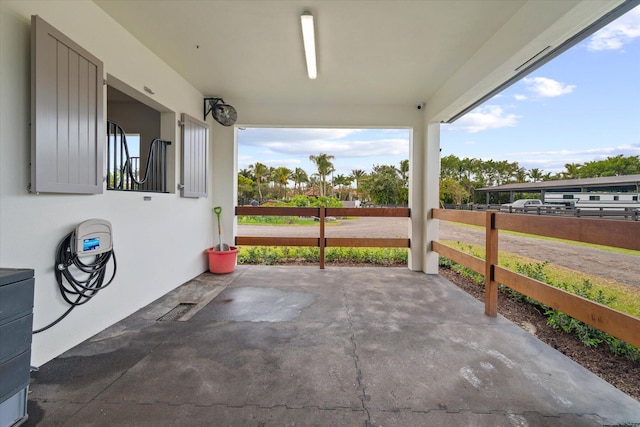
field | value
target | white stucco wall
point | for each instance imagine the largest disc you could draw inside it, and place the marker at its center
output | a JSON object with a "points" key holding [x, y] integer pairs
{"points": [[158, 243]]}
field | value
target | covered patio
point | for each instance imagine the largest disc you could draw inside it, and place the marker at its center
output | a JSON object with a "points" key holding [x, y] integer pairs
{"points": [[330, 347], [274, 346]]}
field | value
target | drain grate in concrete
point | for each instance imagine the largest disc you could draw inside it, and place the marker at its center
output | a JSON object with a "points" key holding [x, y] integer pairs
{"points": [[177, 312]]}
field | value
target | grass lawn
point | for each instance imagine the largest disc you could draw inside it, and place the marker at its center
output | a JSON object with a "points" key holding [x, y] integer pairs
{"points": [[625, 298]]}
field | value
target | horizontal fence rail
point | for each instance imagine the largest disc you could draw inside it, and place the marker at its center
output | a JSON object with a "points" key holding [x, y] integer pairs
{"points": [[627, 213], [322, 242], [597, 231]]}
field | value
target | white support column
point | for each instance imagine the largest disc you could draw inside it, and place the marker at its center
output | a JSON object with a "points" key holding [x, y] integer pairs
{"points": [[224, 179], [416, 199], [431, 195]]}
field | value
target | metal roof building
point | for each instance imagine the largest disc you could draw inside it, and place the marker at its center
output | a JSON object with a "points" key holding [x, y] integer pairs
{"points": [[621, 184]]}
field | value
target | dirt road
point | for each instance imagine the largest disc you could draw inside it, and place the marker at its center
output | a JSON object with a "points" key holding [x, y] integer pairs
{"points": [[610, 265]]}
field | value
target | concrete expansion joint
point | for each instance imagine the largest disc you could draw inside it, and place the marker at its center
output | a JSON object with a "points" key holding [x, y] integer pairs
{"points": [[356, 360]]}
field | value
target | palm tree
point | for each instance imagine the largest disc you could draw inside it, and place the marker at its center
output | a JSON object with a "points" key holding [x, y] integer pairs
{"points": [[271, 179], [573, 170], [536, 174], [521, 175], [314, 183], [404, 172], [282, 175], [325, 167], [299, 176], [341, 181], [260, 171], [246, 173], [356, 174]]}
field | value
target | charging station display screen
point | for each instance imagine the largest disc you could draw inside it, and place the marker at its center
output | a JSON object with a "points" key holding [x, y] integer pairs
{"points": [[90, 244]]}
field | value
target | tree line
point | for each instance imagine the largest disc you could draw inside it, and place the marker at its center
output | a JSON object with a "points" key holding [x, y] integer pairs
{"points": [[459, 178], [389, 184], [384, 185]]}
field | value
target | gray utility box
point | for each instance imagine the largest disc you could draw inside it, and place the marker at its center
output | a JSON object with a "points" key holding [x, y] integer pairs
{"points": [[16, 321]]}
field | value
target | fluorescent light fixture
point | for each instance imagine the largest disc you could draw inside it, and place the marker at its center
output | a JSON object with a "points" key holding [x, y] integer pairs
{"points": [[309, 39]]}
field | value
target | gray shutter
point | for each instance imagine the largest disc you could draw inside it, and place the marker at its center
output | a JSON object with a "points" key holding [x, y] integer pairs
{"points": [[67, 118], [195, 143]]}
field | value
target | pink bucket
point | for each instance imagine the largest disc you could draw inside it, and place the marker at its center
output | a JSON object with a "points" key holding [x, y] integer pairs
{"points": [[221, 262]]}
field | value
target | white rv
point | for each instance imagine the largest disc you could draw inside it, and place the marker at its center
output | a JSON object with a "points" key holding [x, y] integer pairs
{"points": [[594, 200]]}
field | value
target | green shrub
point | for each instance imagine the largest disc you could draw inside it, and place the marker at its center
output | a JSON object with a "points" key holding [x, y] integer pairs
{"points": [[267, 255]]}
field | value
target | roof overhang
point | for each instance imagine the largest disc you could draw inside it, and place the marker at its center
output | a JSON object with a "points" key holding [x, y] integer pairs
{"points": [[449, 55]]}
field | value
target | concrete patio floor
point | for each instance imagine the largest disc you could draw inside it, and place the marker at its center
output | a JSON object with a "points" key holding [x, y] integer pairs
{"points": [[280, 346]]}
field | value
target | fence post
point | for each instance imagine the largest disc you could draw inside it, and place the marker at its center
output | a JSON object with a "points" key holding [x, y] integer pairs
{"points": [[491, 259], [322, 241]]}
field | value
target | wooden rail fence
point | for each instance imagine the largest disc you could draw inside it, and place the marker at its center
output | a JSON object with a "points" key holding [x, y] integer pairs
{"points": [[321, 241], [613, 233], [627, 213]]}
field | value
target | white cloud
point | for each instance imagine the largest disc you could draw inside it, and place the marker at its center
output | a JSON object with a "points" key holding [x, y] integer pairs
{"points": [[261, 136], [555, 160], [483, 118], [626, 149], [520, 97], [343, 149], [546, 87], [337, 142], [617, 34], [350, 147]]}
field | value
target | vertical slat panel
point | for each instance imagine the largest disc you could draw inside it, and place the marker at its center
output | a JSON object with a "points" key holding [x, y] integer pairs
{"points": [[189, 145], [74, 163], [62, 139], [201, 172], [195, 136], [95, 120], [197, 166], [84, 160], [187, 157], [44, 117], [197, 169], [67, 145]]}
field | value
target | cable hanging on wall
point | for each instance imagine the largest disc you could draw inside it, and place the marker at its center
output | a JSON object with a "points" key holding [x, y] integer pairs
{"points": [[79, 280]]}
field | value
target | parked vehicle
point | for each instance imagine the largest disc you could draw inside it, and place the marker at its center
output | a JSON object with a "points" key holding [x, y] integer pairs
{"points": [[521, 205]]}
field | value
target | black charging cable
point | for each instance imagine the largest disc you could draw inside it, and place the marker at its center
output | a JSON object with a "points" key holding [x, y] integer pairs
{"points": [[78, 291]]}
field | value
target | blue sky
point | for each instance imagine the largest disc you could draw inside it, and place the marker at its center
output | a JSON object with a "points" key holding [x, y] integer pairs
{"points": [[582, 106]]}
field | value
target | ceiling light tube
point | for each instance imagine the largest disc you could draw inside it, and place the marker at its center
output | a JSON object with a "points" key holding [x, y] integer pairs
{"points": [[309, 39]]}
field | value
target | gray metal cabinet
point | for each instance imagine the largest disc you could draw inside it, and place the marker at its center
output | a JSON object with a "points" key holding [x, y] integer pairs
{"points": [[16, 321]]}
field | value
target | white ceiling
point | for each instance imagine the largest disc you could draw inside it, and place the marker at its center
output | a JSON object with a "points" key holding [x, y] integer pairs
{"points": [[369, 52]]}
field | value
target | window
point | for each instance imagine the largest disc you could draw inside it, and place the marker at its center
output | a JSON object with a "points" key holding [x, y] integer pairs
{"points": [[594, 198], [137, 158], [567, 196], [616, 197]]}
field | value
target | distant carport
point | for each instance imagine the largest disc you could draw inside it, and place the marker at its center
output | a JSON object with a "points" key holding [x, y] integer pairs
{"points": [[627, 183]]}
